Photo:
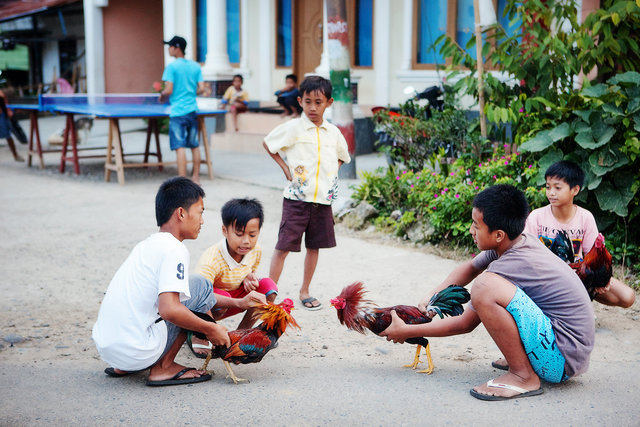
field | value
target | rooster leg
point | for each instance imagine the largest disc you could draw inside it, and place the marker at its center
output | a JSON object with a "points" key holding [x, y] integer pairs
{"points": [[416, 359], [206, 362], [429, 369], [231, 375]]}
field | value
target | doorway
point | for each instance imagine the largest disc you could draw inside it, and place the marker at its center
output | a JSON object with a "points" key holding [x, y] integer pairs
{"points": [[307, 36]]}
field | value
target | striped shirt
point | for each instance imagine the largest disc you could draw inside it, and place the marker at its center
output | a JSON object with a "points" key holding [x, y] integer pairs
{"points": [[217, 265]]}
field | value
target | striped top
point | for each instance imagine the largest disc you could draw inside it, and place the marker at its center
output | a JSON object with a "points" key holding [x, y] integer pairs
{"points": [[224, 272]]}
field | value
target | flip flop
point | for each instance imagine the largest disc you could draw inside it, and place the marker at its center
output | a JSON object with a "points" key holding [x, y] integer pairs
{"points": [[112, 372], [498, 366], [176, 380], [521, 392], [310, 301], [198, 346]]}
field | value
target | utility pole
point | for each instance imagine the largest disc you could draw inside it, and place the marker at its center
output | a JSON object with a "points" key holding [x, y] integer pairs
{"points": [[340, 76]]}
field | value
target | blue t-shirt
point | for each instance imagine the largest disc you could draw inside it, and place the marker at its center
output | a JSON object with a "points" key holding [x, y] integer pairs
{"points": [[185, 76]]}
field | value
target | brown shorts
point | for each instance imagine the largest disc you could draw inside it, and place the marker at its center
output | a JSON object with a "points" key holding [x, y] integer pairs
{"points": [[313, 220]]}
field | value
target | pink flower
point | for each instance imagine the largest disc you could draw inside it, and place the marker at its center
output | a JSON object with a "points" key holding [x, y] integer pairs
{"points": [[468, 171], [530, 166], [451, 174], [411, 186], [435, 196], [434, 208], [473, 255], [506, 162], [502, 157], [404, 172], [480, 165], [457, 196], [521, 110], [494, 177], [433, 174], [476, 187], [397, 178], [506, 146]]}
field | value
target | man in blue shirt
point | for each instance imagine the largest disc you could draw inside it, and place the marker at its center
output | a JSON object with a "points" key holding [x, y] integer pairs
{"points": [[182, 82]]}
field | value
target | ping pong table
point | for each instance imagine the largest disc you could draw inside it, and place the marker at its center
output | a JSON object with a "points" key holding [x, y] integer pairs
{"points": [[111, 107]]}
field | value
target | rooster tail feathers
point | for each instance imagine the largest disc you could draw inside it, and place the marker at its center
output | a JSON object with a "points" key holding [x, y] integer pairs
{"points": [[563, 247], [448, 302]]}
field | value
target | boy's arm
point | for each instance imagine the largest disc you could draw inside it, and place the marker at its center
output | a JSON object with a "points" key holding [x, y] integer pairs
{"points": [[172, 310], [283, 165], [203, 89], [167, 91], [399, 331], [462, 275], [251, 299]]}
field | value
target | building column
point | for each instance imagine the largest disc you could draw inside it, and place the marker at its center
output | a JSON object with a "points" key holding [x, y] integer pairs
{"points": [[407, 34], [382, 18], [244, 36], [265, 57], [94, 45], [217, 64], [323, 68]]}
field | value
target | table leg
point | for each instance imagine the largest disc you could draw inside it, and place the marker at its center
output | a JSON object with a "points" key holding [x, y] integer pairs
{"points": [[148, 142], [35, 128], [156, 132], [107, 162], [202, 128], [65, 142], [74, 147], [118, 146]]}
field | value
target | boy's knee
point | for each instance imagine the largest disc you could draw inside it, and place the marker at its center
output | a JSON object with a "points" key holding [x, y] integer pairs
{"points": [[491, 288]]}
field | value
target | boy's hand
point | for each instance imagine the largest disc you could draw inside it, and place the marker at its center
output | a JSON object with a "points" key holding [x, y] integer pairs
{"points": [[250, 282], [219, 335], [253, 298], [422, 306], [603, 289], [394, 331]]}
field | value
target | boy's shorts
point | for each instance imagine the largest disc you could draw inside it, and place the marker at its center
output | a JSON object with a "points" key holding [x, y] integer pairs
{"points": [[313, 220], [266, 286], [183, 131], [538, 338]]}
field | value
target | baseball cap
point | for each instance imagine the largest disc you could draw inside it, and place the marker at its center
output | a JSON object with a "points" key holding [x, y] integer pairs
{"points": [[177, 41]]}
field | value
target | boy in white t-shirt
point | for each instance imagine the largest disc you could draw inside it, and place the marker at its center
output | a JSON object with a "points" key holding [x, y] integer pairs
{"points": [[564, 181], [149, 302]]}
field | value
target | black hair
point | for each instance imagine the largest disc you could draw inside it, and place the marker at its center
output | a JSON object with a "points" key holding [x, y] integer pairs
{"points": [[238, 212], [174, 193], [316, 84], [238, 76], [292, 77], [567, 171], [503, 207]]}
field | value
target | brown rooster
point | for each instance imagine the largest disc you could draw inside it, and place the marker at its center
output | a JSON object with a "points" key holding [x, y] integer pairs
{"points": [[250, 345], [359, 314], [595, 270]]}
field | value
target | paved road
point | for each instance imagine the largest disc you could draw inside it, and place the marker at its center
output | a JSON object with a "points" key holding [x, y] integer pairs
{"points": [[64, 237]]}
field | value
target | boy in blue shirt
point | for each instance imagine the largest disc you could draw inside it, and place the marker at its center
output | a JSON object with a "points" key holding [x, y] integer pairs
{"points": [[182, 82]]}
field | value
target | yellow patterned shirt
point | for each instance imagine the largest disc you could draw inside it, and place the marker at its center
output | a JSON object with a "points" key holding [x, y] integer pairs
{"points": [[224, 272], [312, 154]]}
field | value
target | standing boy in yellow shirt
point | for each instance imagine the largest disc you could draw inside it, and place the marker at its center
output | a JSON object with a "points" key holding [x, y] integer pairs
{"points": [[315, 149]]}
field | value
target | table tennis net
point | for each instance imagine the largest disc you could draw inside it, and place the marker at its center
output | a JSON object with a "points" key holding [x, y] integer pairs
{"points": [[51, 100]]}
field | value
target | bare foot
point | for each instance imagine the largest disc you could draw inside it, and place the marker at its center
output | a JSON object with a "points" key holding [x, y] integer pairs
{"points": [[159, 374], [198, 345], [500, 364], [504, 385]]}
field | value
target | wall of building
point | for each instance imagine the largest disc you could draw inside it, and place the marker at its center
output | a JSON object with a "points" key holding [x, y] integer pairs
{"points": [[133, 49]]}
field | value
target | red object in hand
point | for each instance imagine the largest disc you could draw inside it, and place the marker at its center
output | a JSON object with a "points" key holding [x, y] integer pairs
{"points": [[158, 86]]}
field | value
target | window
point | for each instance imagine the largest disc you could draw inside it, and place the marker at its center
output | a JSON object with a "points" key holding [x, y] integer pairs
{"points": [[201, 30], [432, 22], [283, 33], [233, 31], [362, 35], [434, 18]]}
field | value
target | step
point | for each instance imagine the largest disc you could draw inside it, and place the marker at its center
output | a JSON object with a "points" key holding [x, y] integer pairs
{"points": [[244, 142]]}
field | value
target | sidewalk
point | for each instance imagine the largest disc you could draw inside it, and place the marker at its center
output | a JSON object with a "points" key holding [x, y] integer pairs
{"points": [[252, 168]]}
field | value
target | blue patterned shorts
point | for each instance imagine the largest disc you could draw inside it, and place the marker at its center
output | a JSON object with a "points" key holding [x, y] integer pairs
{"points": [[538, 338]]}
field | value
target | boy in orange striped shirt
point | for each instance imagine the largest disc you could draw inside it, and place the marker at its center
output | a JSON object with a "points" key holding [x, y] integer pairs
{"points": [[230, 264]]}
